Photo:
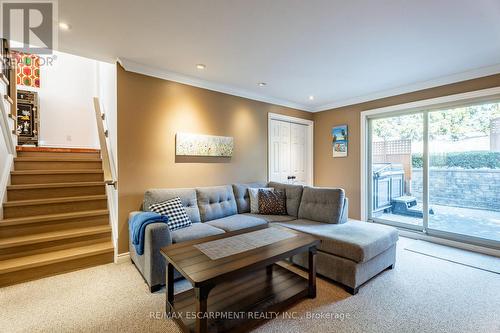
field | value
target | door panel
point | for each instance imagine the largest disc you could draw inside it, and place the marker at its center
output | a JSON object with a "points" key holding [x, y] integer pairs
{"points": [[396, 182], [280, 151], [298, 153], [288, 152], [464, 171]]}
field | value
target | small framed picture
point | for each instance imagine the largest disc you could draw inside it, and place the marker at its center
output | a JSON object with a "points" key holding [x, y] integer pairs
{"points": [[339, 141]]}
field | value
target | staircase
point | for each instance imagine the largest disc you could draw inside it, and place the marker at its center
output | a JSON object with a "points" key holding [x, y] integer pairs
{"points": [[56, 217]]}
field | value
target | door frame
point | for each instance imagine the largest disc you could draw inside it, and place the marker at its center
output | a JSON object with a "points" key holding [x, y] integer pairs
{"points": [[427, 104], [309, 144], [424, 107]]}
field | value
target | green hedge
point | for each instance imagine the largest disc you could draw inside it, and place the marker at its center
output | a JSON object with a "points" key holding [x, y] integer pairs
{"points": [[466, 160]]}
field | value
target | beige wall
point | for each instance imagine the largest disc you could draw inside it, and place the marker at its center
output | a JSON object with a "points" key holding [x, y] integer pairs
{"points": [[151, 111], [345, 172]]}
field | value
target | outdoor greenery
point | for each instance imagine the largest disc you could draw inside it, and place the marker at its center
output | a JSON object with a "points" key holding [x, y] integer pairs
{"points": [[450, 125], [466, 160]]}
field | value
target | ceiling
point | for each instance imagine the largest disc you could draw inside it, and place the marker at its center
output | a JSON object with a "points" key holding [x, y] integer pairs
{"points": [[341, 52]]}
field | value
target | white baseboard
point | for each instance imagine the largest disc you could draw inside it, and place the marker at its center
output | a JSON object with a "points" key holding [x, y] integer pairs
{"points": [[122, 257], [447, 242]]}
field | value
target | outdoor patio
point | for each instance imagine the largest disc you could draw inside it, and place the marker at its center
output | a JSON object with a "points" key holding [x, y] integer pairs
{"points": [[472, 222]]}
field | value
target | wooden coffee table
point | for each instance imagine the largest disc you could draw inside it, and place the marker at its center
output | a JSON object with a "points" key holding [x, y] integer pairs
{"points": [[244, 288]]}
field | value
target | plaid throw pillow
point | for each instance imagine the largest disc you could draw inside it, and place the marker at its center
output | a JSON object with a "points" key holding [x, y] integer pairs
{"points": [[272, 202], [177, 216]]}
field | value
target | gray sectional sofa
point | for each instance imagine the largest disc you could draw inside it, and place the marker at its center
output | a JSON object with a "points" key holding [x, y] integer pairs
{"points": [[351, 252]]}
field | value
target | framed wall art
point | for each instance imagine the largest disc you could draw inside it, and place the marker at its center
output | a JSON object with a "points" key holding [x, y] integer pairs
{"points": [[187, 144], [340, 141]]}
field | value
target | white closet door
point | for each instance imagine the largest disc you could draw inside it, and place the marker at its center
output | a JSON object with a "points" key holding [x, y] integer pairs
{"points": [[298, 153], [280, 151], [288, 152]]}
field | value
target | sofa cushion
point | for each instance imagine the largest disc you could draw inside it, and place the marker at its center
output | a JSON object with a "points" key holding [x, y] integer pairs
{"points": [[322, 204], [194, 231], [241, 195], [273, 218], [237, 222], [215, 202], [293, 195], [187, 196], [354, 240]]}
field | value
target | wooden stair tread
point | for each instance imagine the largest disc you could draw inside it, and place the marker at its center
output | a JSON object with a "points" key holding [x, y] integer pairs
{"points": [[57, 149], [50, 172], [56, 159], [52, 217], [53, 235], [37, 260], [53, 200], [53, 185]]}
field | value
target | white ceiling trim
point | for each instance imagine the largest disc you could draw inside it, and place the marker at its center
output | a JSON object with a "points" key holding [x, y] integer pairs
{"points": [[464, 76], [135, 67]]}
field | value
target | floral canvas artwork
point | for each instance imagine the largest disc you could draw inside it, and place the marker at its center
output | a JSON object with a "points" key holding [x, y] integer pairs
{"points": [[188, 144], [28, 69]]}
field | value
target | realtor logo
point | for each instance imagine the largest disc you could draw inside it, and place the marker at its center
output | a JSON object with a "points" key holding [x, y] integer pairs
{"points": [[31, 24]]}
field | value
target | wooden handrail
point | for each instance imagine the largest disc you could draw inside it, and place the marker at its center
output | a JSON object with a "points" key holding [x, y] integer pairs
{"points": [[106, 163]]}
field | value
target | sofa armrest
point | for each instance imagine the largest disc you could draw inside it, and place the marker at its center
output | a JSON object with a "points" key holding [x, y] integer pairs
{"points": [[152, 264], [345, 211], [157, 236]]}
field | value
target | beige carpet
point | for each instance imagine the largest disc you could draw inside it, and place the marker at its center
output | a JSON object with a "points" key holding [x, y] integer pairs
{"points": [[458, 256], [422, 294]]}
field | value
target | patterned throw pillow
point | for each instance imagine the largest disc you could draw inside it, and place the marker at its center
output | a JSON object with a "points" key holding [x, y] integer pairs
{"points": [[253, 194], [173, 208], [272, 202]]}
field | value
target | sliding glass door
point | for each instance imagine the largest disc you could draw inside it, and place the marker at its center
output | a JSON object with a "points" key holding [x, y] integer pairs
{"points": [[438, 171], [396, 185], [464, 171]]}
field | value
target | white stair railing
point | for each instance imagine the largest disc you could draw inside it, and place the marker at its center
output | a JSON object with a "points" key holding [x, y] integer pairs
{"points": [[8, 128], [110, 175], [109, 178]]}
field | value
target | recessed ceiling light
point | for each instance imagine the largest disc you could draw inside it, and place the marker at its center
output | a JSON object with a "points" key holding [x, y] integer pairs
{"points": [[311, 97], [201, 66], [261, 84], [64, 26]]}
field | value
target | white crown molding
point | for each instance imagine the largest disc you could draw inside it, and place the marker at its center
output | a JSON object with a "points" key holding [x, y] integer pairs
{"points": [[464, 76], [135, 67]]}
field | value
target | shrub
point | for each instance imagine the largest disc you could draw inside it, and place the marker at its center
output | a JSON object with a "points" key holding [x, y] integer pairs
{"points": [[466, 160]]}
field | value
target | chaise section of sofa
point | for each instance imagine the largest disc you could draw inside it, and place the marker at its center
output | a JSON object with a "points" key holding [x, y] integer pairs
{"points": [[351, 252]]}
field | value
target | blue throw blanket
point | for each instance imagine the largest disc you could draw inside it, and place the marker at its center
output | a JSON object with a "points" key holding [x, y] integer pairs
{"points": [[137, 227]]}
